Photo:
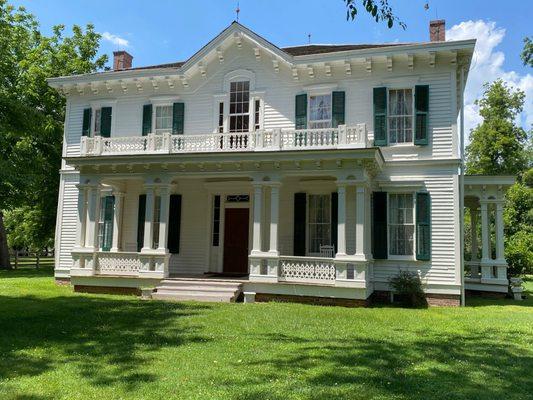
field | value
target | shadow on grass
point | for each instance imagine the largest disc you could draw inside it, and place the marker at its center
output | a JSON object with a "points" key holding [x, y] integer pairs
{"points": [[428, 366], [107, 340]]}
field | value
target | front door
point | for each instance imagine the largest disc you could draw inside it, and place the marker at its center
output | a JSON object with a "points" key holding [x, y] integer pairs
{"points": [[236, 241]]}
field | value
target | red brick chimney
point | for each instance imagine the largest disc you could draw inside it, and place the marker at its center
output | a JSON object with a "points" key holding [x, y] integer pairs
{"points": [[122, 60], [437, 30]]}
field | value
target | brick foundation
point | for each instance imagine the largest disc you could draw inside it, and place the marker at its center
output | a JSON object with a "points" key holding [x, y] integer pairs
{"points": [[488, 295], [443, 300], [380, 297], [107, 290], [323, 301], [62, 281]]}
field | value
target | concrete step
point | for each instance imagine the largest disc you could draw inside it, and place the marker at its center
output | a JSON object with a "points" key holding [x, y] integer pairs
{"points": [[197, 290], [178, 296]]}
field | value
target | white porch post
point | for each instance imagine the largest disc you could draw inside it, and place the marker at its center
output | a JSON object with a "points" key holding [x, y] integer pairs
{"points": [[341, 220], [500, 256], [92, 217], [256, 232], [360, 214], [149, 219], [82, 215], [274, 217], [117, 221], [163, 220], [473, 228], [485, 258]]}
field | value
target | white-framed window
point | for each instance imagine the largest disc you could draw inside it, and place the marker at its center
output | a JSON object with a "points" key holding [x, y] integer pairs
{"points": [[220, 126], [319, 222], [157, 220], [320, 111], [239, 106], [97, 121], [400, 115], [401, 224], [163, 118]]}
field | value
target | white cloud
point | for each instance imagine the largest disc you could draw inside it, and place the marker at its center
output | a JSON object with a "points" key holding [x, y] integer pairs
{"points": [[487, 66], [116, 40]]}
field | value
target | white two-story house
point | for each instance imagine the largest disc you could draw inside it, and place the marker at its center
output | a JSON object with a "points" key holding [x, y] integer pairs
{"points": [[313, 172]]}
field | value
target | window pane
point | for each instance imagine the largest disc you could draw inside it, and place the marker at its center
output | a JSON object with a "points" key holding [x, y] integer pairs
{"points": [[401, 226], [239, 106], [400, 115], [320, 111], [319, 222]]}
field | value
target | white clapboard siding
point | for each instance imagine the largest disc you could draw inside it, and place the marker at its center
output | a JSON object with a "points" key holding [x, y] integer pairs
{"points": [[68, 219], [442, 267]]}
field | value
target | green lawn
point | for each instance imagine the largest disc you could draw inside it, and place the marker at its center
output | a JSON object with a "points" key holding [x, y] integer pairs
{"points": [[55, 344]]}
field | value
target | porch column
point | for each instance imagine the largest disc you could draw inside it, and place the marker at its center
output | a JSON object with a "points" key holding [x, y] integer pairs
{"points": [[485, 234], [473, 229], [500, 256], [164, 192], [149, 219], [274, 217], [117, 221], [341, 220], [82, 215], [91, 239], [360, 213], [256, 233]]}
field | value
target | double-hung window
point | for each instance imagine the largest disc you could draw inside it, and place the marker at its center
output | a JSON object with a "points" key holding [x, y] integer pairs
{"points": [[319, 222], [157, 220], [163, 119], [320, 111], [400, 116], [401, 224], [239, 106]]}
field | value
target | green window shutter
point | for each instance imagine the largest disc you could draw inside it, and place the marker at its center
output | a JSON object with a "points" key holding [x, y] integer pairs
{"points": [[105, 124], [147, 119], [178, 118], [421, 115], [300, 116], [86, 126], [380, 116], [334, 219], [141, 216], [337, 109], [174, 224], [107, 234], [379, 225], [300, 204], [423, 226]]}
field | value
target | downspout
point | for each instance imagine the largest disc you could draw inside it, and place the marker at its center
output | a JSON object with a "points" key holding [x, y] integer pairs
{"points": [[461, 184]]}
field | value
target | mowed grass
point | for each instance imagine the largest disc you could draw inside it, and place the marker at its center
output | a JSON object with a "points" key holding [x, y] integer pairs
{"points": [[56, 344]]}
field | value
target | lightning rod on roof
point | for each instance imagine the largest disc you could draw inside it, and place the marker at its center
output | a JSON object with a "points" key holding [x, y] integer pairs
{"points": [[237, 11], [308, 38]]}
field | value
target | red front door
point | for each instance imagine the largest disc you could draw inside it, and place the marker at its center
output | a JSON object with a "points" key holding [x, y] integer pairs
{"points": [[236, 241]]}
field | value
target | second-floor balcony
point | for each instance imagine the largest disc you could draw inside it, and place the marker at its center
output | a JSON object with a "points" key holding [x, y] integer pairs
{"points": [[342, 137]]}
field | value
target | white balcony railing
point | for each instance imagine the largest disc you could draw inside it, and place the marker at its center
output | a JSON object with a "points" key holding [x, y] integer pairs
{"points": [[306, 269], [262, 140]]}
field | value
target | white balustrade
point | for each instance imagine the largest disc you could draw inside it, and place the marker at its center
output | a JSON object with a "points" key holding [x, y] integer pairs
{"points": [[307, 269], [262, 140], [117, 263]]}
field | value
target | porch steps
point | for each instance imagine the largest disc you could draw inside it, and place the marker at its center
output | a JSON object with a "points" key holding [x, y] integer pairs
{"points": [[208, 290]]}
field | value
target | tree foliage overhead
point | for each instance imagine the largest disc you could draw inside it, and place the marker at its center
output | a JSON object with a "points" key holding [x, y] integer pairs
{"points": [[32, 113], [527, 52], [380, 10], [498, 146]]}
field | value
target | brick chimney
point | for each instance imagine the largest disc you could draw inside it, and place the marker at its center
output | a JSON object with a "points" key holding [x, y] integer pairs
{"points": [[122, 60], [437, 30]]}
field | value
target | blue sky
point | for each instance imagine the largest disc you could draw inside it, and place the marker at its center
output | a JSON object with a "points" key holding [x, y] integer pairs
{"points": [[160, 31]]}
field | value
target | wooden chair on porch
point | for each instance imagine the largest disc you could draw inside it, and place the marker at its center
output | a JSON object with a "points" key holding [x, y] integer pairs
{"points": [[327, 251]]}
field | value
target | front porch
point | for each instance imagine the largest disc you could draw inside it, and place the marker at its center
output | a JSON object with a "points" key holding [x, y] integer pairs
{"points": [[164, 224]]}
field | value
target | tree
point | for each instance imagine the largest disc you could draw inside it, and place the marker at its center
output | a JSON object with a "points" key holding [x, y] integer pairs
{"points": [[380, 10], [527, 52], [32, 113], [498, 146]]}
